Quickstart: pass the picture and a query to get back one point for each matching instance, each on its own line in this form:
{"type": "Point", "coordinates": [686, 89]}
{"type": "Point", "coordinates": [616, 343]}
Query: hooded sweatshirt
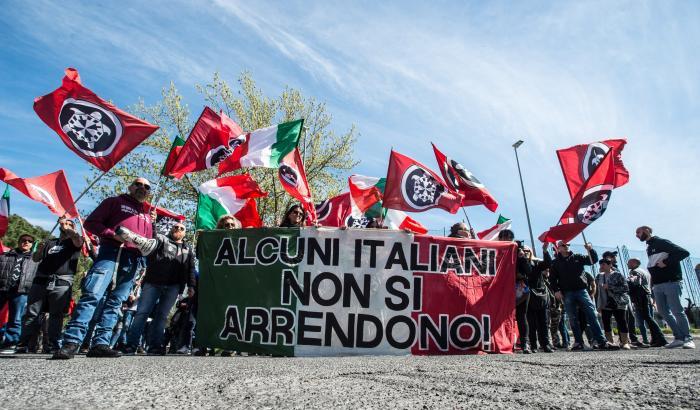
{"type": "Point", "coordinates": [122, 210]}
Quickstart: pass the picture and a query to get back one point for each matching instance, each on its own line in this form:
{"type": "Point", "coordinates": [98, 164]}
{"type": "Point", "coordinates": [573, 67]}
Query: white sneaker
{"type": "Point", "coordinates": [674, 344]}
{"type": "Point", "coordinates": [689, 345]}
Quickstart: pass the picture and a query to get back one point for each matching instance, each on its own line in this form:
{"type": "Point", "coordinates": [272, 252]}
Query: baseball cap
{"type": "Point", "coordinates": [608, 254]}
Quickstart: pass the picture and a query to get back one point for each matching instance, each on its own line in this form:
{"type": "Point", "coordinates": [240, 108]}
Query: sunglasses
{"type": "Point", "coordinates": [178, 228]}
{"type": "Point", "coordinates": [142, 185]}
{"type": "Point", "coordinates": [229, 225]}
{"type": "Point", "coordinates": [23, 240]}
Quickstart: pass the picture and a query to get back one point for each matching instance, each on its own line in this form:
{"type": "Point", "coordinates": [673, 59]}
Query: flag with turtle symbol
{"type": "Point", "coordinates": [413, 187]}
{"type": "Point", "coordinates": [588, 205]}
{"type": "Point", "coordinates": [93, 128]}
{"type": "Point", "coordinates": [580, 161]}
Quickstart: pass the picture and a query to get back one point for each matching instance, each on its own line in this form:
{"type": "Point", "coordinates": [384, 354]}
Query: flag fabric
{"type": "Point", "coordinates": [335, 211]}
{"type": "Point", "coordinates": [588, 205]}
{"type": "Point", "coordinates": [213, 138]}
{"type": "Point", "coordinates": [266, 147]}
{"type": "Point", "coordinates": [4, 211]}
{"type": "Point", "coordinates": [459, 179]}
{"type": "Point", "coordinates": [395, 219]}
{"type": "Point", "coordinates": [580, 161]}
{"type": "Point", "coordinates": [413, 187]}
{"type": "Point", "coordinates": [174, 152]}
{"type": "Point", "coordinates": [165, 219]}
{"type": "Point", "coordinates": [51, 190]}
{"type": "Point", "coordinates": [227, 195]}
{"type": "Point", "coordinates": [292, 176]}
{"type": "Point", "coordinates": [93, 128]}
{"type": "Point", "coordinates": [365, 192]}
{"type": "Point", "coordinates": [491, 234]}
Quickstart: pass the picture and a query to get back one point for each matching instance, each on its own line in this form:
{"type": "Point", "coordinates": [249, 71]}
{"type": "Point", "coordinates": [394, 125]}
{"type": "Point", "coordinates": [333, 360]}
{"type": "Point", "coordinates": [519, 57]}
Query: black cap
{"type": "Point", "coordinates": [608, 254]}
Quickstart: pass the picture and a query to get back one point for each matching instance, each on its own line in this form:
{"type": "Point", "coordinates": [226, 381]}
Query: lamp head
{"type": "Point", "coordinates": [518, 143]}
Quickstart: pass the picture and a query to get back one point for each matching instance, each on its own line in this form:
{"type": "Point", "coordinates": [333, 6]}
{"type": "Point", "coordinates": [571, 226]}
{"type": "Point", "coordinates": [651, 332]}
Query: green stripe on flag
{"type": "Point", "coordinates": [177, 142]}
{"type": "Point", "coordinates": [287, 139]}
{"type": "Point", "coordinates": [208, 212]}
{"type": "Point", "coordinates": [501, 219]}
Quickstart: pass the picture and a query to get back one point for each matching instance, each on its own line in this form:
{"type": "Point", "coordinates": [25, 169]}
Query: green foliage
{"type": "Point", "coordinates": [327, 156]}
{"type": "Point", "coordinates": [18, 226]}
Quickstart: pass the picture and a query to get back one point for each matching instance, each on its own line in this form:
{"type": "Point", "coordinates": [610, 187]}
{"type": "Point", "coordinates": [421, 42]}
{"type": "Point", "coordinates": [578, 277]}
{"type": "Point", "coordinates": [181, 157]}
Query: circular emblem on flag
{"type": "Point", "coordinates": [352, 222]}
{"type": "Point", "coordinates": [235, 142]}
{"type": "Point", "coordinates": [46, 198]}
{"type": "Point", "coordinates": [459, 176]}
{"type": "Point", "coordinates": [288, 175]}
{"type": "Point", "coordinates": [594, 154]}
{"type": "Point", "coordinates": [323, 209]}
{"type": "Point", "coordinates": [419, 188]}
{"type": "Point", "coordinates": [216, 155]}
{"type": "Point", "coordinates": [593, 204]}
{"type": "Point", "coordinates": [165, 224]}
{"type": "Point", "coordinates": [93, 130]}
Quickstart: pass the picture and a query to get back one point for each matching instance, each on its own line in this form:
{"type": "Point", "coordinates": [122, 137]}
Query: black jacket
{"type": "Point", "coordinates": [171, 263]}
{"type": "Point", "coordinates": [672, 255]}
{"type": "Point", "coordinates": [7, 262]}
{"type": "Point", "coordinates": [567, 273]}
{"type": "Point", "coordinates": [539, 293]}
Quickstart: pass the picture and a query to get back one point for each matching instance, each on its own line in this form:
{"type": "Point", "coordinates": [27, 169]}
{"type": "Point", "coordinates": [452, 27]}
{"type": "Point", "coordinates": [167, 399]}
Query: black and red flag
{"type": "Point", "coordinates": [580, 161]}
{"type": "Point", "coordinates": [93, 128]}
{"type": "Point", "coordinates": [165, 219]}
{"type": "Point", "coordinates": [459, 179]}
{"type": "Point", "coordinates": [588, 204]}
{"type": "Point", "coordinates": [292, 176]}
{"type": "Point", "coordinates": [334, 211]}
{"type": "Point", "coordinates": [413, 187]}
{"type": "Point", "coordinates": [213, 138]}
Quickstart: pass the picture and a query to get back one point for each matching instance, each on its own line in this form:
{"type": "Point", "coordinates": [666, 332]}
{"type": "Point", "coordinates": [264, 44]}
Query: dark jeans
{"type": "Point", "coordinates": [16, 304]}
{"type": "Point", "coordinates": [631, 324]}
{"type": "Point", "coordinates": [644, 311]}
{"type": "Point", "coordinates": [57, 300]}
{"type": "Point", "coordinates": [539, 330]}
{"type": "Point", "coordinates": [187, 331]}
{"type": "Point", "coordinates": [620, 318]}
{"type": "Point", "coordinates": [521, 318]}
{"type": "Point", "coordinates": [580, 299]}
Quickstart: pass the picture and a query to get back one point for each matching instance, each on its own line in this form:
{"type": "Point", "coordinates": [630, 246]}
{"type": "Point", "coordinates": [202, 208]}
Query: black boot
{"type": "Point", "coordinates": [66, 352]}
{"type": "Point", "coordinates": [102, 351]}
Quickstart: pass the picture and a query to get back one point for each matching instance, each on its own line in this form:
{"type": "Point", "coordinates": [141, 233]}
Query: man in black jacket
{"type": "Point", "coordinates": [17, 271]}
{"type": "Point", "coordinates": [58, 262]}
{"type": "Point", "coordinates": [667, 280]}
{"type": "Point", "coordinates": [170, 267]}
{"type": "Point", "coordinates": [568, 281]}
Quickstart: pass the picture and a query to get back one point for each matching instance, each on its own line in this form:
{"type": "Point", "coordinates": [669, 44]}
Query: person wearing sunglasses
{"type": "Point", "coordinates": [570, 284]}
{"type": "Point", "coordinates": [51, 290]}
{"type": "Point", "coordinates": [17, 272]}
{"type": "Point", "coordinates": [115, 268]}
{"type": "Point", "coordinates": [170, 268]}
{"type": "Point", "coordinates": [295, 217]}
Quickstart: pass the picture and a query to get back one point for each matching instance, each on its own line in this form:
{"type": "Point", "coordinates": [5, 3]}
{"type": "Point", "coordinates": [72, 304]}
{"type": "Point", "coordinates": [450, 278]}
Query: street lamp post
{"type": "Point", "coordinates": [522, 186]}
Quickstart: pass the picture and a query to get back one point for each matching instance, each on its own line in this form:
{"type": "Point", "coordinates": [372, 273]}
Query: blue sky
{"type": "Point", "coordinates": [471, 76]}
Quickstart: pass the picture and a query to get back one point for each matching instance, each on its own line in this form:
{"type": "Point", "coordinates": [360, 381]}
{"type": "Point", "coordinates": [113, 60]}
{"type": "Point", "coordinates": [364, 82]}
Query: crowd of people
{"type": "Point", "coordinates": [126, 298]}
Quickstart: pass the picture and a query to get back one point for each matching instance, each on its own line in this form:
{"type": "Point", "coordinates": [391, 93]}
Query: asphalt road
{"type": "Point", "coordinates": [657, 378]}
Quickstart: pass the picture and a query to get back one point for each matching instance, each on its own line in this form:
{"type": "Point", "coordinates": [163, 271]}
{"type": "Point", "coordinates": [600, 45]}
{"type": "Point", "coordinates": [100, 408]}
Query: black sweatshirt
{"type": "Point", "coordinates": [664, 250]}
{"type": "Point", "coordinates": [567, 272]}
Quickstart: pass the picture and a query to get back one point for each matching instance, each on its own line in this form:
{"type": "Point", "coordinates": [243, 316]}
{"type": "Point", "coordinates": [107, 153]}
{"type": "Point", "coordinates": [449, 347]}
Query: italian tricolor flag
{"type": "Point", "coordinates": [265, 147]}
{"type": "Point", "coordinates": [228, 196]}
{"type": "Point", "coordinates": [395, 219]}
{"type": "Point", "coordinates": [365, 192]}
{"type": "Point", "coordinates": [491, 234]}
{"type": "Point", "coordinates": [4, 211]}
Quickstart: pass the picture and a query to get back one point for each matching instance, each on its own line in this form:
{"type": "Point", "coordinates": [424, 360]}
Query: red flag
{"type": "Point", "coordinates": [588, 205]}
{"type": "Point", "coordinates": [413, 187]}
{"type": "Point", "coordinates": [580, 161]}
{"type": "Point", "coordinates": [334, 211]}
{"type": "Point", "coordinates": [51, 190]}
{"type": "Point", "coordinates": [459, 179]}
{"type": "Point", "coordinates": [96, 130]}
{"type": "Point", "coordinates": [249, 216]}
{"type": "Point", "coordinates": [293, 178]}
{"type": "Point", "coordinates": [213, 138]}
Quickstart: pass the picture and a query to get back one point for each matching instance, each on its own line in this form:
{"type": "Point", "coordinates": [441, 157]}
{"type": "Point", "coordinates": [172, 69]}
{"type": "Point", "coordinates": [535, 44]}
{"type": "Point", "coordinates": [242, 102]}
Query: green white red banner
{"type": "Point", "coordinates": [331, 292]}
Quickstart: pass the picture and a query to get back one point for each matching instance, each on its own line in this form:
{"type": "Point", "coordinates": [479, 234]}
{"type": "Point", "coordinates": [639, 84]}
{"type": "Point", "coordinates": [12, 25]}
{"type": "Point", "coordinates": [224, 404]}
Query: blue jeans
{"type": "Point", "coordinates": [668, 301]}
{"type": "Point", "coordinates": [565, 340]}
{"type": "Point", "coordinates": [575, 299]}
{"type": "Point", "coordinates": [158, 299]}
{"type": "Point", "coordinates": [96, 283]}
{"type": "Point", "coordinates": [16, 303]}
{"type": "Point", "coordinates": [120, 336]}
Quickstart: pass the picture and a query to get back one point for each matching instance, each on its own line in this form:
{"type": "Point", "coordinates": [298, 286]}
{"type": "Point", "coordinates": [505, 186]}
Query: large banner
{"type": "Point", "coordinates": [330, 292]}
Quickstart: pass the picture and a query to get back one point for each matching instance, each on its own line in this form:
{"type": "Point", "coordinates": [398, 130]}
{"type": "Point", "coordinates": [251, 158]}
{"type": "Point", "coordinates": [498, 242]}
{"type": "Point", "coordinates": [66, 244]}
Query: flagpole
{"type": "Point", "coordinates": [590, 258]}
{"type": "Point", "coordinates": [75, 201]}
{"type": "Point", "coordinates": [471, 229]}
{"type": "Point", "coordinates": [522, 186]}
